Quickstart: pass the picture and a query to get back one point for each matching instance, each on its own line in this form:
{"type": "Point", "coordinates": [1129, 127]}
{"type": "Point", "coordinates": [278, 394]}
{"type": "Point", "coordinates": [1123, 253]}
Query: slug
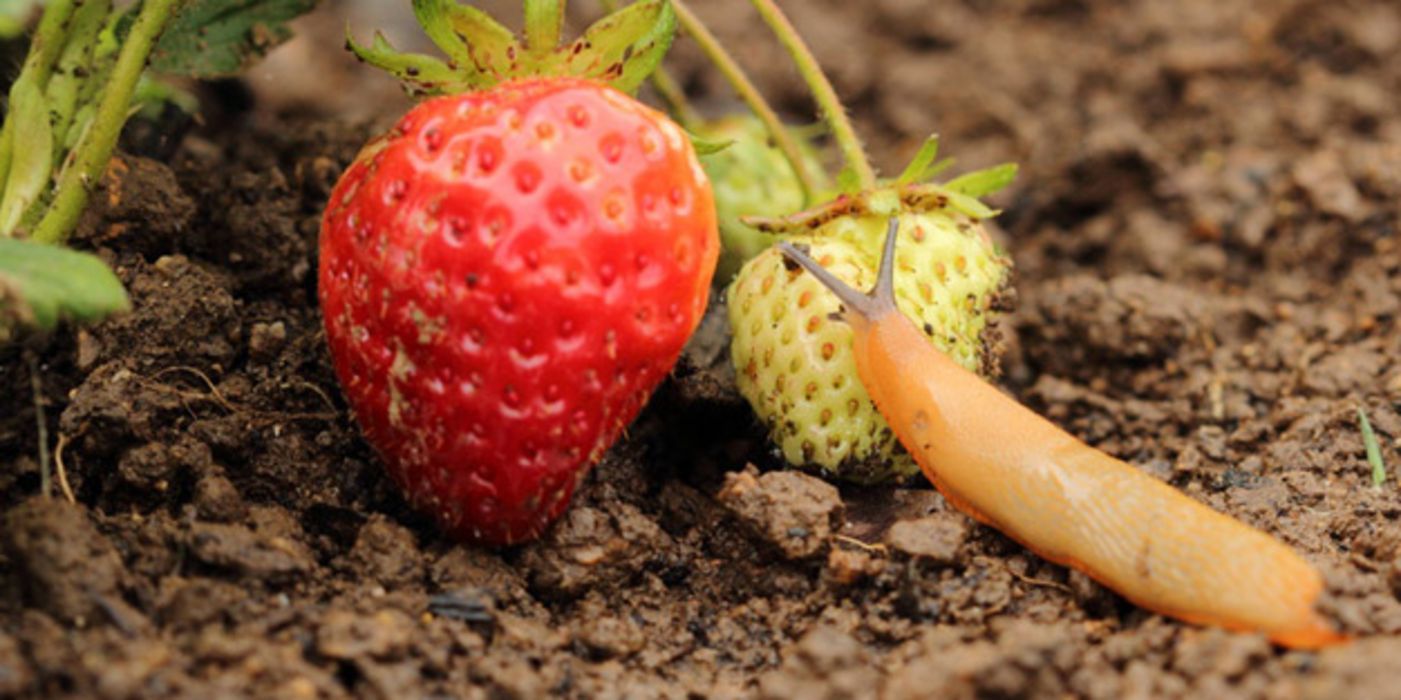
{"type": "Point", "coordinates": [1007, 467]}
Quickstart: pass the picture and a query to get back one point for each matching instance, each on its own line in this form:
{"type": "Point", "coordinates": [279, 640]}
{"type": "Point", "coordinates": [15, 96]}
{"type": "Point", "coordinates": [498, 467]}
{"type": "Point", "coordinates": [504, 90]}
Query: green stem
{"type": "Point", "coordinates": [38, 64]}
{"type": "Point", "coordinates": [94, 149]}
{"type": "Point", "coordinates": [73, 67]}
{"type": "Point", "coordinates": [544, 21]}
{"type": "Point", "coordinates": [738, 80]}
{"type": "Point", "coordinates": [41, 423]}
{"type": "Point", "coordinates": [822, 92]}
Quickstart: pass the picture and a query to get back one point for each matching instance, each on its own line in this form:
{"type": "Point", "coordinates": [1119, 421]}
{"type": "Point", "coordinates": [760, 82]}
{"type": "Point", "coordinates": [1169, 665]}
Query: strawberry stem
{"type": "Point", "coordinates": [94, 149]}
{"type": "Point", "coordinates": [744, 87]}
{"type": "Point", "coordinates": [544, 20]}
{"type": "Point", "coordinates": [822, 92]}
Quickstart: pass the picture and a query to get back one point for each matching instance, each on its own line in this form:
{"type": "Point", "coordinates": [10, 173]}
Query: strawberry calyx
{"type": "Point", "coordinates": [910, 192]}
{"type": "Point", "coordinates": [620, 50]}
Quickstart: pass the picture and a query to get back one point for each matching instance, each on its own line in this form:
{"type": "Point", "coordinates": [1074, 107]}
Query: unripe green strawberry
{"type": "Point", "coordinates": [794, 364]}
{"type": "Point", "coordinates": [750, 177]}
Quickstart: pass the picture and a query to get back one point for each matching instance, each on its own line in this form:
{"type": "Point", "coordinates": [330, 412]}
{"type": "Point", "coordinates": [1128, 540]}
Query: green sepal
{"type": "Point", "coordinates": [41, 285]}
{"type": "Point", "coordinates": [478, 47]}
{"type": "Point", "coordinates": [624, 48]}
{"type": "Point", "coordinates": [621, 49]}
{"type": "Point", "coordinates": [420, 74]}
{"type": "Point", "coordinates": [924, 157]}
{"type": "Point", "coordinates": [981, 183]}
{"type": "Point", "coordinates": [967, 204]}
{"type": "Point", "coordinates": [543, 21]}
{"type": "Point", "coordinates": [848, 180]}
{"type": "Point", "coordinates": [704, 146]}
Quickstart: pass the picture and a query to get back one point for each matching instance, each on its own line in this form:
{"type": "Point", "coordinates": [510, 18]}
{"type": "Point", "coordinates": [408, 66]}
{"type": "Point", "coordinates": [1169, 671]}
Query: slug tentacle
{"type": "Point", "coordinates": [879, 301]}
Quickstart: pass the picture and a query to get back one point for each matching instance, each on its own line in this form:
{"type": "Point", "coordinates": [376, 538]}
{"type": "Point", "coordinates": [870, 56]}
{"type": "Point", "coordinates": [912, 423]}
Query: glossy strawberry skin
{"type": "Point", "coordinates": [505, 278]}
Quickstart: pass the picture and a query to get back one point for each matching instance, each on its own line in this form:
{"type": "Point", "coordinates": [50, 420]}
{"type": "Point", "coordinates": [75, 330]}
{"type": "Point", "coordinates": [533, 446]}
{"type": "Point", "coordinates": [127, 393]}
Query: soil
{"type": "Point", "coordinates": [1209, 271]}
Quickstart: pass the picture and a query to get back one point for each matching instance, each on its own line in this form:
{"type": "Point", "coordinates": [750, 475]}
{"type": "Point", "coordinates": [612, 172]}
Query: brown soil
{"type": "Point", "coordinates": [1206, 236]}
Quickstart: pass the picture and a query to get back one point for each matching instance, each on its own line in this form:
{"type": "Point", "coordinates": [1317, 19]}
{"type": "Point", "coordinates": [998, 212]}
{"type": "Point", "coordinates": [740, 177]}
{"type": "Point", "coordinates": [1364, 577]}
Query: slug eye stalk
{"type": "Point", "coordinates": [869, 306]}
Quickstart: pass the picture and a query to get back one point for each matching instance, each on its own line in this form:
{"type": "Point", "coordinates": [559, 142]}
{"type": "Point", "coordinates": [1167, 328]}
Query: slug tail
{"type": "Point", "coordinates": [1317, 635]}
{"type": "Point", "coordinates": [870, 306]}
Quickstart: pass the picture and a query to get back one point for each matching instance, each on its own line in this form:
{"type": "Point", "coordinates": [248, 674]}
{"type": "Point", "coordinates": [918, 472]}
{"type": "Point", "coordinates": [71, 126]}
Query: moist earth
{"type": "Point", "coordinates": [1209, 272]}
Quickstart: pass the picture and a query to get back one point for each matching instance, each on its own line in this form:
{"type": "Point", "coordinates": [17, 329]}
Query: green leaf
{"type": "Point", "coordinates": [624, 47]}
{"type": "Point", "coordinates": [421, 74]}
{"type": "Point", "coordinates": [981, 183]}
{"type": "Point", "coordinates": [32, 159]}
{"type": "Point", "coordinates": [219, 38]}
{"type": "Point", "coordinates": [41, 285]}
{"type": "Point", "coordinates": [1374, 449]}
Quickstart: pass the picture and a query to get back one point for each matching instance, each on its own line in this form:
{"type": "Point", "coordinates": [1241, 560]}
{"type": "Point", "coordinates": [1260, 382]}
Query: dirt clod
{"type": "Point", "coordinates": [63, 564]}
{"type": "Point", "coordinates": [826, 663]}
{"type": "Point", "coordinates": [386, 552]}
{"type": "Point", "coordinates": [259, 553]}
{"type": "Point", "coordinates": [590, 548]}
{"type": "Point", "coordinates": [793, 512]}
{"type": "Point", "coordinates": [937, 538]}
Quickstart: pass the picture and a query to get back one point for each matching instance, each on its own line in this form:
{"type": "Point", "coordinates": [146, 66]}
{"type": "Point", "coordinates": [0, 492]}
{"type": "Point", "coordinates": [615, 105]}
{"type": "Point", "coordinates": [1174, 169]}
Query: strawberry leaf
{"type": "Point", "coordinates": [981, 183]}
{"type": "Point", "coordinates": [41, 285]}
{"type": "Point", "coordinates": [219, 38]}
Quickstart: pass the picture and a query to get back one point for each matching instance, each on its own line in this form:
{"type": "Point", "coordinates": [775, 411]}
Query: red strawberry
{"type": "Point", "coordinates": [506, 276]}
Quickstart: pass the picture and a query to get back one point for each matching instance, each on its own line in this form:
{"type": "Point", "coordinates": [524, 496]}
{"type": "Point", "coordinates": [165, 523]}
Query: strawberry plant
{"type": "Point", "coordinates": [793, 363]}
{"type": "Point", "coordinates": [65, 112]}
{"type": "Point", "coordinates": [509, 272]}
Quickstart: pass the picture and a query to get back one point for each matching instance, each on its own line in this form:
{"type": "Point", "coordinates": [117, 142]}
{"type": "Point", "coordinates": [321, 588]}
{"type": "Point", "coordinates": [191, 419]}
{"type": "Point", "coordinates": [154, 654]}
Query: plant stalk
{"type": "Point", "coordinates": [744, 87]}
{"type": "Point", "coordinates": [36, 386]}
{"type": "Point", "coordinates": [822, 92]}
{"type": "Point", "coordinates": [94, 149]}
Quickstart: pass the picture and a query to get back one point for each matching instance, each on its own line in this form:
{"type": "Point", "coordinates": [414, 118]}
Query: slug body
{"type": "Point", "coordinates": [1011, 469]}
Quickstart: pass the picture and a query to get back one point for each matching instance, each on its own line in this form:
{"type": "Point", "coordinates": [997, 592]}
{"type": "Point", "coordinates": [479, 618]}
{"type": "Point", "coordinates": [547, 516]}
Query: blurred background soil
{"type": "Point", "coordinates": [1209, 272]}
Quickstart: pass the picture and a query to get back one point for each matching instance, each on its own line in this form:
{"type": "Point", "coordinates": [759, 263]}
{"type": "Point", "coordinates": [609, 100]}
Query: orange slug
{"type": "Point", "coordinates": [1009, 468]}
